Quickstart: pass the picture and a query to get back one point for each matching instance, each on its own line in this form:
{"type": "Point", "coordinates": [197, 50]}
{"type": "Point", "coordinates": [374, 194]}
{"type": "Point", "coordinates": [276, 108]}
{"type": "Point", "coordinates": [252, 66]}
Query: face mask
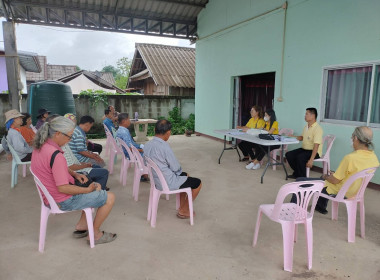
{"type": "Point", "coordinates": [266, 119]}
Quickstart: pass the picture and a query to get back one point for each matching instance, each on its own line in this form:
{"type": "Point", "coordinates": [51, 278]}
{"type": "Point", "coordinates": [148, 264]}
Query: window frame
{"type": "Point", "coordinates": [374, 64]}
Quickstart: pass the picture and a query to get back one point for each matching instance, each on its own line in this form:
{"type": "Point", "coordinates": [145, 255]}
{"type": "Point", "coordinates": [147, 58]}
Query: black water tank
{"type": "Point", "coordinates": [54, 96]}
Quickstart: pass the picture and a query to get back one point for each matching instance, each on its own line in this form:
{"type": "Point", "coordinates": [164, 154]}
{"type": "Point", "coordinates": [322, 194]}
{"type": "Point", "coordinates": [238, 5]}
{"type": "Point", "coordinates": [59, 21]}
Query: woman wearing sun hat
{"type": "Point", "coordinates": [13, 121]}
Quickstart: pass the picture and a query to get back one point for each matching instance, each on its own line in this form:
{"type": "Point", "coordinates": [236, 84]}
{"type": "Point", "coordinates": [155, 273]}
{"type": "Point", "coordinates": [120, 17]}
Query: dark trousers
{"type": "Point", "coordinates": [297, 160]}
{"type": "Point", "coordinates": [28, 157]}
{"type": "Point", "coordinates": [99, 175]}
{"type": "Point", "coordinates": [322, 202]}
{"type": "Point", "coordinates": [246, 148]}
{"type": "Point", "coordinates": [94, 147]}
{"type": "Point", "coordinates": [261, 150]}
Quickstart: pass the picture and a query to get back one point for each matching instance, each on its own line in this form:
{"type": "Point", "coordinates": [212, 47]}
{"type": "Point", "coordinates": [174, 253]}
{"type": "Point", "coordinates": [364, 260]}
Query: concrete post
{"type": "Point", "coordinates": [12, 63]}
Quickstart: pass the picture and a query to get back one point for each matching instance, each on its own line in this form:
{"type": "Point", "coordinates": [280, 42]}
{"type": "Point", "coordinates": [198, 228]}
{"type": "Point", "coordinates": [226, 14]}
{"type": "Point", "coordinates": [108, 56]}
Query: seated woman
{"type": "Point", "coordinates": [25, 129]}
{"type": "Point", "coordinates": [41, 117]}
{"type": "Point", "coordinates": [271, 125]}
{"type": "Point", "coordinates": [59, 181]}
{"type": "Point", "coordinates": [124, 134]}
{"type": "Point", "coordinates": [12, 124]}
{"type": "Point", "coordinates": [257, 122]}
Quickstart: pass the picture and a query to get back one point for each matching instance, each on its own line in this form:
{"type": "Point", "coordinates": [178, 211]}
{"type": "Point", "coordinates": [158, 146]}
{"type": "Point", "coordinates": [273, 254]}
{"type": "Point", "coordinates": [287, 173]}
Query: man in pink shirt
{"type": "Point", "coordinates": [50, 166]}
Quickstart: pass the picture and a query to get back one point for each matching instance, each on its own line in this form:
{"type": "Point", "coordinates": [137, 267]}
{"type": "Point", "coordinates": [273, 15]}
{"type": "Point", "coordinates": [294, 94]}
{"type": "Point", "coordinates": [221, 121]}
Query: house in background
{"type": "Point", "coordinates": [49, 71]}
{"type": "Point", "coordinates": [29, 63]}
{"type": "Point", "coordinates": [84, 80]}
{"type": "Point", "coordinates": [163, 70]}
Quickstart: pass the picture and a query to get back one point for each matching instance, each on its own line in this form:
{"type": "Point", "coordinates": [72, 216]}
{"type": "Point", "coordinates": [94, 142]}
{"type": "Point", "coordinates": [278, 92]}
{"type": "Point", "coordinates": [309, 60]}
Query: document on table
{"type": "Point", "coordinates": [236, 132]}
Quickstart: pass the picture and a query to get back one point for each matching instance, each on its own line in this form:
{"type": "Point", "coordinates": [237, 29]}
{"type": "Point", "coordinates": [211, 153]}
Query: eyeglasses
{"type": "Point", "coordinates": [68, 136]}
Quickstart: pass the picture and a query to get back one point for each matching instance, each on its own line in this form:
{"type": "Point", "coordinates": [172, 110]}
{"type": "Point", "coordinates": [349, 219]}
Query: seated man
{"type": "Point", "coordinates": [124, 134]}
{"type": "Point", "coordinates": [361, 158]}
{"type": "Point", "coordinates": [160, 152]}
{"type": "Point", "coordinates": [311, 149]}
{"type": "Point", "coordinates": [108, 121]}
{"type": "Point", "coordinates": [78, 143]}
{"type": "Point", "coordinates": [92, 147]}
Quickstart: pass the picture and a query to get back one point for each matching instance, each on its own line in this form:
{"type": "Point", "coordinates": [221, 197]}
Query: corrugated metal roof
{"type": "Point", "coordinates": [167, 65]}
{"type": "Point", "coordinates": [28, 60]}
{"type": "Point", "coordinates": [169, 18]}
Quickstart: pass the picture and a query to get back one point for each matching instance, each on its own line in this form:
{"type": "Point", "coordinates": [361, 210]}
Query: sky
{"type": "Point", "coordinates": [90, 50]}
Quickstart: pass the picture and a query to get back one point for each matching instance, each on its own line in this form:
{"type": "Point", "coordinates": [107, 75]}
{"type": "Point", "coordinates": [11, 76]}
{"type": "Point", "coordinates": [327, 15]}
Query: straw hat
{"type": "Point", "coordinates": [12, 114]}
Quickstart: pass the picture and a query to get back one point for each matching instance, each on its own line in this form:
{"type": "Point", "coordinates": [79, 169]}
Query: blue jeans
{"type": "Point", "coordinates": [93, 199]}
{"type": "Point", "coordinates": [99, 175]}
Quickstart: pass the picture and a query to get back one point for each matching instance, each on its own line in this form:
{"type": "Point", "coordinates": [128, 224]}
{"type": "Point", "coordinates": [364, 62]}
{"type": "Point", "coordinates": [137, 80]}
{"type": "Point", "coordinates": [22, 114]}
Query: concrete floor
{"type": "Point", "coordinates": [218, 246]}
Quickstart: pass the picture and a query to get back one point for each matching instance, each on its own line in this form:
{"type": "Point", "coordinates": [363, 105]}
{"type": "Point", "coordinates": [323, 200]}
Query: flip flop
{"type": "Point", "coordinates": [80, 233]}
{"type": "Point", "coordinates": [182, 216]}
{"type": "Point", "coordinates": [106, 238]}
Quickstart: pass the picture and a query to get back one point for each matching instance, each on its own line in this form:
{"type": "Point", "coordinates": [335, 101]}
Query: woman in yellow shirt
{"type": "Point", "coordinates": [271, 125]}
{"type": "Point", "coordinates": [256, 121]}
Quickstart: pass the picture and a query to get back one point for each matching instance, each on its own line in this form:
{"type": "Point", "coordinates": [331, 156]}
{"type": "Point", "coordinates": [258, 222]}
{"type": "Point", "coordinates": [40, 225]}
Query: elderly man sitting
{"type": "Point", "coordinates": [361, 158]}
{"type": "Point", "coordinates": [160, 152]}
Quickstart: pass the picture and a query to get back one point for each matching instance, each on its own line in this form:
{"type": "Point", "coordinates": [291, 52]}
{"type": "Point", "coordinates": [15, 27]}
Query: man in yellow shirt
{"type": "Point", "coordinates": [311, 138]}
{"type": "Point", "coordinates": [361, 158]}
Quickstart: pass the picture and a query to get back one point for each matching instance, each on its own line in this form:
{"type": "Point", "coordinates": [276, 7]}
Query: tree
{"type": "Point", "coordinates": [123, 66]}
{"type": "Point", "coordinates": [112, 69]}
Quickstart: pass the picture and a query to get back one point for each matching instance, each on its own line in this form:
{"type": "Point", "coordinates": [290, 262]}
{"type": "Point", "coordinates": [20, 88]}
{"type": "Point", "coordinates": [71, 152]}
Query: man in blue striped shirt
{"type": "Point", "coordinates": [78, 143]}
{"type": "Point", "coordinates": [124, 134]}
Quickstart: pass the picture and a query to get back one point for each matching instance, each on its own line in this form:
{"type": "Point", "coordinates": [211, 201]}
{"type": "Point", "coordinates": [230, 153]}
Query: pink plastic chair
{"type": "Point", "coordinates": [351, 203]}
{"type": "Point", "coordinates": [140, 169]}
{"type": "Point", "coordinates": [155, 194]}
{"type": "Point", "coordinates": [114, 150]}
{"type": "Point", "coordinates": [126, 163]}
{"type": "Point", "coordinates": [54, 209]}
{"type": "Point", "coordinates": [286, 132]}
{"type": "Point", "coordinates": [108, 144]}
{"type": "Point", "coordinates": [289, 215]}
{"type": "Point", "coordinates": [33, 128]}
{"type": "Point", "coordinates": [328, 140]}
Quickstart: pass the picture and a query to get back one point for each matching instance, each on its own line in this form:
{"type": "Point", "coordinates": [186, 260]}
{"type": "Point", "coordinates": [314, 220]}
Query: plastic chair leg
{"type": "Point", "coordinates": [257, 227]}
{"type": "Point", "coordinates": [307, 172]}
{"type": "Point", "coordinates": [288, 240]}
{"type": "Point", "coordinates": [24, 170]}
{"type": "Point", "coordinates": [190, 200]}
{"type": "Point", "coordinates": [177, 200]}
{"type": "Point", "coordinates": [156, 199]}
{"type": "Point", "coordinates": [351, 218]}
{"type": "Point", "coordinates": [295, 233]}
{"type": "Point", "coordinates": [136, 184]}
{"type": "Point", "coordinates": [149, 216]}
{"type": "Point", "coordinates": [362, 218]}
{"type": "Point", "coordinates": [334, 210]}
{"type": "Point", "coordinates": [90, 226]}
{"type": "Point", "coordinates": [14, 174]}
{"type": "Point", "coordinates": [45, 212]}
{"type": "Point", "coordinates": [309, 242]}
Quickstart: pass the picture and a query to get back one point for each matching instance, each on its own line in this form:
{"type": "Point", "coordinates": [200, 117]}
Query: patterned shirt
{"type": "Point", "coordinates": [78, 144]}
{"type": "Point", "coordinates": [160, 152]}
{"type": "Point", "coordinates": [123, 134]}
{"type": "Point", "coordinates": [71, 159]}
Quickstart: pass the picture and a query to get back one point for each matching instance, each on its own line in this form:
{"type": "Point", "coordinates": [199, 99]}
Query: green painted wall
{"type": "Point", "coordinates": [319, 33]}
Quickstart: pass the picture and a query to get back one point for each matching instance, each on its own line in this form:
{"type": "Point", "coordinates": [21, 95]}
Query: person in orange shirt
{"type": "Point", "coordinates": [25, 129]}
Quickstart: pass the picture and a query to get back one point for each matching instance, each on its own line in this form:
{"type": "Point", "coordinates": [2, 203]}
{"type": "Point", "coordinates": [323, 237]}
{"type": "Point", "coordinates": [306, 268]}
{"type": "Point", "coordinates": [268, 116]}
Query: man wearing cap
{"type": "Point", "coordinates": [13, 121]}
{"type": "Point", "coordinates": [42, 115]}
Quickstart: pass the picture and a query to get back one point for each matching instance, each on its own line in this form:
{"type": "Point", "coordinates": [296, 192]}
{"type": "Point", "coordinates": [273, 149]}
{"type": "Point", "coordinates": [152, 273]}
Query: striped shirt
{"type": "Point", "coordinates": [78, 144]}
{"type": "Point", "coordinates": [124, 134]}
{"type": "Point", "coordinates": [71, 159]}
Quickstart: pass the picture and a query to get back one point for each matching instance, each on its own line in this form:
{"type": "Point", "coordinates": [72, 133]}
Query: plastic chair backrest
{"type": "Point", "coordinates": [153, 167]}
{"type": "Point", "coordinates": [328, 140]}
{"type": "Point", "coordinates": [303, 194]}
{"type": "Point", "coordinates": [286, 131]}
{"type": "Point", "coordinates": [33, 128]}
{"type": "Point", "coordinates": [41, 188]}
{"type": "Point", "coordinates": [108, 132]}
{"type": "Point", "coordinates": [138, 157]}
{"type": "Point", "coordinates": [14, 154]}
{"type": "Point", "coordinates": [366, 176]}
{"type": "Point", "coordinates": [129, 152]}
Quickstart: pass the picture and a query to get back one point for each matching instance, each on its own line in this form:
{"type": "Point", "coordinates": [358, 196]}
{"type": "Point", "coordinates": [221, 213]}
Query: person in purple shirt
{"type": "Point", "coordinates": [41, 117]}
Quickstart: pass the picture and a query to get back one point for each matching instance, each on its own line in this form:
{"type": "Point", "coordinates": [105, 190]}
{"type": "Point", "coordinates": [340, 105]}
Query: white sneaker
{"type": "Point", "coordinates": [249, 166]}
{"type": "Point", "coordinates": [256, 166]}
